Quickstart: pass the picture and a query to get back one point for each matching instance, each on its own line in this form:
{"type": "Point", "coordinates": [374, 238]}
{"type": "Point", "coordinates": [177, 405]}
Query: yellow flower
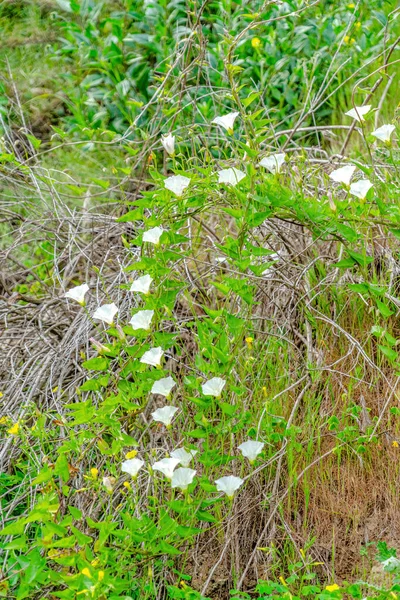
{"type": "Point", "coordinates": [14, 429]}
{"type": "Point", "coordinates": [249, 341]}
{"type": "Point", "coordinates": [332, 588]}
{"type": "Point", "coordinates": [395, 444]}
{"type": "Point", "coordinates": [256, 42]}
{"type": "Point", "coordinates": [357, 25]}
{"type": "Point", "coordinates": [264, 391]}
{"type": "Point", "coordinates": [348, 40]}
{"type": "Point", "coordinates": [94, 472]}
{"type": "Point", "coordinates": [101, 575]}
{"type": "Point", "coordinates": [3, 420]}
{"type": "Point", "coordinates": [351, 6]}
{"type": "Point", "coordinates": [283, 582]}
{"type": "Point", "coordinates": [131, 454]}
{"type": "Point", "coordinates": [86, 572]}
{"type": "Point", "coordinates": [127, 485]}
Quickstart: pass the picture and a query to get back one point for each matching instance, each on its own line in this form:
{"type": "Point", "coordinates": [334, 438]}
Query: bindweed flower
{"type": "Point", "coordinates": [165, 414]}
{"type": "Point", "coordinates": [343, 175]}
{"type": "Point", "coordinates": [142, 319]}
{"type": "Point", "coordinates": [273, 162]}
{"type": "Point", "coordinates": [384, 133]}
{"type": "Point", "coordinates": [358, 112]}
{"type": "Point", "coordinates": [229, 485]}
{"type": "Point", "coordinates": [361, 188]}
{"type": "Point", "coordinates": [108, 483]}
{"type": "Point", "coordinates": [251, 449]}
{"type": "Point", "coordinates": [230, 176]}
{"type": "Point", "coordinates": [184, 456]}
{"type": "Point", "coordinates": [142, 284]}
{"type": "Point", "coordinates": [168, 142]}
{"type": "Point", "coordinates": [166, 466]}
{"type": "Point", "coordinates": [153, 235]}
{"type": "Point", "coordinates": [182, 478]}
{"type": "Point", "coordinates": [132, 466]}
{"type": "Point", "coordinates": [153, 357]}
{"type": "Point", "coordinates": [163, 386]}
{"type": "Point", "coordinates": [213, 387]}
{"type": "Point", "coordinates": [78, 293]}
{"type": "Point", "coordinates": [226, 121]}
{"type": "Point", "coordinates": [177, 184]}
{"type": "Point", "coordinates": [106, 313]}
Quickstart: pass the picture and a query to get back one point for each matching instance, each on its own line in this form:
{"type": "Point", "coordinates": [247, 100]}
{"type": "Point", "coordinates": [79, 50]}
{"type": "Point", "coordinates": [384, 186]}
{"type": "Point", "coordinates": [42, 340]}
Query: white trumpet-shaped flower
{"type": "Point", "coordinates": [343, 175]}
{"type": "Point", "coordinates": [108, 483]}
{"type": "Point", "coordinates": [182, 478]}
{"type": "Point", "coordinates": [78, 293]}
{"type": "Point", "coordinates": [184, 456]}
{"type": "Point", "coordinates": [251, 449]}
{"type": "Point", "coordinates": [142, 319]}
{"type": "Point", "coordinates": [358, 112]}
{"type": "Point", "coordinates": [166, 466]}
{"type": "Point", "coordinates": [230, 176]}
{"type": "Point", "coordinates": [384, 133]}
{"type": "Point", "coordinates": [106, 313]}
{"type": "Point", "coordinates": [168, 142]}
{"type": "Point", "coordinates": [177, 184]}
{"type": "Point", "coordinates": [226, 121]}
{"type": "Point", "coordinates": [360, 188]}
{"type": "Point", "coordinates": [142, 284]}
{"type": "Point", "coordinates": [153, 235]}
{"type": "Point", "coordinates": [229, 485]}
{"type": "Point", "coordinates": [213, 387]}
{"type": "Point", "coordinates": [163, 386]}
{"type": "Point", "coordinates": [153, 357]}
{"type": "Point", "coordinates": [165, 414]}
{"type": "Point", "coordinates": [273, 162]}
{"type": "Point", "coordinates": [132, 466]}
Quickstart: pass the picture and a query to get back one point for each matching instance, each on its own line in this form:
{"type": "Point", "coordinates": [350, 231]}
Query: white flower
{"type": "Point", "coordinates": [230, 176]}
{"type": "Point", "coordinates": [182, 478]}
{"type": "Point", "coordinates": [108, 483]}
{"type": "Point", "coordinates": [358, 112]}
{"type": "Point", "coordinates": [106, 313]}
{"type": "Point", "coordinates": [153, 235]}
{"type": "Point", "coordinates": [184, 456]}
{"type": "Point", "coordinates": [361, 188]}
{"type": "Point", "coordinates": [251, 449]}
{"type": "Point", "coordinates": [213, 387]}
{"type": "Point", "coordinates": [78, 293]}
{"type": "Point", "coordinates": [166, 466]}
{"type": "Point", "coordinates": [153, 357]}
{"type": "Point", "coordinates": [226, 121]}
{"type": "Point", "coordinates": [273, 162]}
{"type": "Point", "coordinates": [384, 133]}
{"type": "Point", "coordinates": [229, 485]}
{"type": "Point", "coordinates": [142, 284]}
{"type": "Point", "coordinates": [132, 466]}
{"type": "Point", "coordinates": [142, 319]}
{"type": "Point", "coordinates": [168, 142]}
{"type": "Point", "coordinates": [165, 415]}
{"type": "Point", "coordinates": [163, 386]}
{"type": "Point", "coordinates": [343, 175]}
{"type": "Point", "coordinates": [177, 184]}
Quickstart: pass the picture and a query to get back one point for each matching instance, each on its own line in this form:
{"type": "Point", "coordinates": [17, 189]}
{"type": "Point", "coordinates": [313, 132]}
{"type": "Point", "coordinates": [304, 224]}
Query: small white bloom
{"type": "Point", "coordinates": [168, 142]}
{"type": "Point", "coordinates": [132, 466]}
{"type": "Point", "coordinates": [358, 113]}
{"type": "Point", "coordinates": [108, 483]}
{"type": "Point", "coordinates": [165, 415]}
{"type": "Point", "coordinates": [106, 313]}
{"type": "Point", "coordinates": [142, 319]}
{"type": "Point", "coordinates": [177, 184]}
{"type": "Point", "coordinates": [229, 485]}
{"type": "Point", "coordinates": [273, 162]}
{"type": "Point", "coordinates": [251, 449]}
{"type": "Point", "coordinates": [182, 478]}
{"type": "Point", "coordinates": [153, 235]}
{"type": "Point", "coordinates": [384, 133]}
{"type": "Point", "coordinates": [361, 188]}
{"type": "Point", "coordinates": [142, 284]}
{"type": "Point", "coordinates": [343, 175]}
{"type": "Point", "coordinates": [230, 176]}
{"type": "Point", "coordinates": [78, 293]}
{"type": "Point", "coordinates": [213, 387]}
{"type": "Point", "coordinates": [163, 386]}
{"type": "Point", "coordinates": [166, 466]}
{"type": "Point", "coordinates": [226, 121]}
{"type": "Point", "coordinates": [153, 357]}
{"type": "Point", "coordinates": [184, 456]}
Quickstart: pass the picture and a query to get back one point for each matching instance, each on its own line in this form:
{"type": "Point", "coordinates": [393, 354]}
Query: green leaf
{"type": "Point", "coordinates": [384, 309]}
{"type": "Point", "coordinates": [82, 538]}
{"type": "Point", "coordinates": [98, 363]}
{"type": "Point", "coordinates": [61, 468]}
{"type": "Point", "coordinates": [75, 512]}
{"type": "Point", "coordinates": [15, 528]}
{"type": "Point", "coordinates": [388, 352]}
